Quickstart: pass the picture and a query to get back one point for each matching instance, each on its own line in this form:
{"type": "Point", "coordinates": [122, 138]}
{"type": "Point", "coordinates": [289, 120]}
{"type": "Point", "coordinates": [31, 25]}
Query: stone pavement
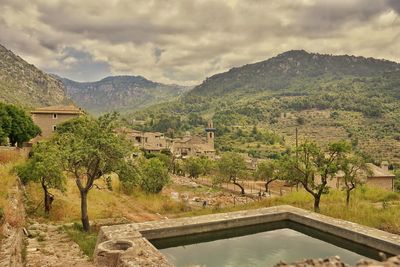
{"type": "Point", "coordinates": [49, 246]}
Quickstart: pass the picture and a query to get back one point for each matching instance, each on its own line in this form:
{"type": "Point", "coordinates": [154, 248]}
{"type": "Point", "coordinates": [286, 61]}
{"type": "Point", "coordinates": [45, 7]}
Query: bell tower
{"type": "Point", "coordinates": [210, 130]}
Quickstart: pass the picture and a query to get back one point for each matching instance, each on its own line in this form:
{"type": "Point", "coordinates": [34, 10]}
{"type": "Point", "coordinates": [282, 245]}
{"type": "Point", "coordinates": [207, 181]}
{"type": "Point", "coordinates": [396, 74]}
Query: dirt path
{"type": "Point", "coordinates": [50, 246]}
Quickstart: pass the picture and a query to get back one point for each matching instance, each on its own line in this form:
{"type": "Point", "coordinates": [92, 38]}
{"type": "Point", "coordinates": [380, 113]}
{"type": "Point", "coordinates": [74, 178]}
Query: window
{"type": "Point", "coordinates": [54, 116]}
{"type": "Point", "coordinates": [54, 128]}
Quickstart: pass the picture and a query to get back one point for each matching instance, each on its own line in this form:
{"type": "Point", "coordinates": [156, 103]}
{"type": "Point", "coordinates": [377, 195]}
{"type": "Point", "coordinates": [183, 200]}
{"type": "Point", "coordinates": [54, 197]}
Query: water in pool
{"type": "Point", "coordinates": [224, 248]}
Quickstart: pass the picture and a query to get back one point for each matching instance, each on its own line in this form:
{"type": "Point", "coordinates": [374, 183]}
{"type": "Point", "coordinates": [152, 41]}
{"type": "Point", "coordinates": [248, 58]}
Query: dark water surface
{"type": "Point", "coordinates": [261, 245]}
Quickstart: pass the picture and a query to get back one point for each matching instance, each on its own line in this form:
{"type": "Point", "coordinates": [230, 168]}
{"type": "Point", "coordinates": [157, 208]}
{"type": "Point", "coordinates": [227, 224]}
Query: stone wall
{"type": "Point", "coordinates": [381, 182]}
{"type": "Point", "coordinates": [12, 244]}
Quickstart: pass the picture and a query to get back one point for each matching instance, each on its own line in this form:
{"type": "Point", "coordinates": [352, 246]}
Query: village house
{"type": "Point", "coordinates": [180, 147]}
{"type": "Point", "coordinates": [148, 141]}
{"type": "Point", "coordinates": [379, 177]}
{"type": "Point", "coordinates": [47, 118]}
{"type": "Point", "coordinates": [189, 146]}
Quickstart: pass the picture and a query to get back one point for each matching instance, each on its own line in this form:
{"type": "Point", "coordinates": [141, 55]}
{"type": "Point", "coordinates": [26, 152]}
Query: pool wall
{"type": "Point", "coordinates": [138, 251]}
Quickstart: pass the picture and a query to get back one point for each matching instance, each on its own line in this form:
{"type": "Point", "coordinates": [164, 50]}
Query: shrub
{"type": "Point", "coordinates": [155, 176]}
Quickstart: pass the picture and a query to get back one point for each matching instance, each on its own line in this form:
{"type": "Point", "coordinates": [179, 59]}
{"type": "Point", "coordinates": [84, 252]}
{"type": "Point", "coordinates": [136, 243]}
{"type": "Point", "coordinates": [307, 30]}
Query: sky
{"type": "Point", "coordinates": [186, 41]}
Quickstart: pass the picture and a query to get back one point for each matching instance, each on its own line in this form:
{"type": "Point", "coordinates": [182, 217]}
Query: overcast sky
{"type": "Point", "coordinates": [185, 41]}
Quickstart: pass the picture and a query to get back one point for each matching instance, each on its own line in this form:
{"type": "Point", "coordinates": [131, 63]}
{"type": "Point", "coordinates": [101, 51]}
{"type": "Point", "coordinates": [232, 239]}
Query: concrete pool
{"type": "Point", "coordinates": [259, 245]}
{"type": "Point", "coordinates": [135, 244]}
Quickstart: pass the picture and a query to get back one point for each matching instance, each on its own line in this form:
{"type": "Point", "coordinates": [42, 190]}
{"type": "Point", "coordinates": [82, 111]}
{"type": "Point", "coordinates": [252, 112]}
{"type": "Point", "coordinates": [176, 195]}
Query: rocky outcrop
{"type": "Point", "coordinates": [23, 84]}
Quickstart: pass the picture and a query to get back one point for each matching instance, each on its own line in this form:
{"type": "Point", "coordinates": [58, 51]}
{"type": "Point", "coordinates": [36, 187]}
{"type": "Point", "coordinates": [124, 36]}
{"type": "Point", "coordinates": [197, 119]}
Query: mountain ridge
{"type": "Point", "coordinates": [290, 66]}
{"type": "Point", "coordinates": [326, 97]}
{"type": "Point", "coordinates": [25, 85]}
{"type": "Point", "coordinates": [120, 93]}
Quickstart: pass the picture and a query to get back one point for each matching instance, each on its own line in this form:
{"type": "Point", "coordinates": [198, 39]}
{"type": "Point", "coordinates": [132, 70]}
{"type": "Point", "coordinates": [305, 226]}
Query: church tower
{"type": "Point", "coordinates": [210, 130]}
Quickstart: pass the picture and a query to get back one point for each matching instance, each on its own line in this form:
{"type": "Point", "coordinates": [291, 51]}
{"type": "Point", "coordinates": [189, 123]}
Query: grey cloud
{"type": "Point", "coordinates": [185, 41]}
{"type": "Point", "coordinates": [395, 5]}
{"type": "Point", "coordinates": [82, 68]}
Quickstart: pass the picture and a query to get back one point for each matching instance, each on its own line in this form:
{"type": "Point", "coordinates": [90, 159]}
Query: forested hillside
{"type": "Point", "coordinates": [326, 97]}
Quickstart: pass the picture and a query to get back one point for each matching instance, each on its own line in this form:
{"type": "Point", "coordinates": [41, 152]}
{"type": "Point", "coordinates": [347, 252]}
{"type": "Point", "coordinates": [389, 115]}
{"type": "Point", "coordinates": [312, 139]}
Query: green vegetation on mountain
{"type": "Point", "coordinates": [24, 85]}
{"type": "Point", "coordinates": [326, 97]}
{"type": "Point", "coordinates": [120, 93]}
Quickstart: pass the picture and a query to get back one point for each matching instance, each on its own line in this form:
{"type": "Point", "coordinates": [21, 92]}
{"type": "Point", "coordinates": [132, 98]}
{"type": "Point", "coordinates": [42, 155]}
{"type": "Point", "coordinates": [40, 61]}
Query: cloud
{"type": "Point", "coordinates": [186, 41]}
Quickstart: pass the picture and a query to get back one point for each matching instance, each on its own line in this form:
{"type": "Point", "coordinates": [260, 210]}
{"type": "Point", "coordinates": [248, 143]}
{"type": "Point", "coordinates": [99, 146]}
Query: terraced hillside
{"type": "Point", "coordinates": [327, 97]}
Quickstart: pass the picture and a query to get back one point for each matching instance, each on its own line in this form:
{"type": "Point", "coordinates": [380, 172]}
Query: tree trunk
{"type": "Point", "coordinates": [347, 197]}
{"type": "Point", "coordinates": [241, 187]}
{"type": "Point", "coordinates": [266, 187]}
{"type": "Point", "coordinates": [317, 199]}
{"type": "Point", "coordinates": [47, 204]}
{"type": "Point", "coordinates": [84, 213]}
{"type": "Point", "coordinates": [48, 199]}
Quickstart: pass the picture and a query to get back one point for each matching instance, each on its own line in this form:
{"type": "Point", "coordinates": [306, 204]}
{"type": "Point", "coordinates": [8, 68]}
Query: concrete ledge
{"type": "Point", "coordinates": [140, 233]}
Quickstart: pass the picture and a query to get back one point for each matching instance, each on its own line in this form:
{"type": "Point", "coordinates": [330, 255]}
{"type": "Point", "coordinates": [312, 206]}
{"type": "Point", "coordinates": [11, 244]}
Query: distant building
{"type": "Point", "coordinates": [48, 118]}
{"type": "Point", "coordinates": [195, 145]}
{"type": "Point", "coordinates": [380, 177]}
{"type": "Point", "coordinates": [180, 147]}
{"type": "Point", "coordinates": [148, 141]}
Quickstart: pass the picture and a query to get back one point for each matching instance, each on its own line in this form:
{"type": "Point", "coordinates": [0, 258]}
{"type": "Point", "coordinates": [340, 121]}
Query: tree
{"type": "Point", "coordinates": [231, 168]}
{"type": "Point", "coordinates": [129, 175]}
{"type": "Point", "coordinates": [267, 172]}
{"type": "Point", "coordinates": [155, 176]}
{"type": "Point", "coordinates": [194, 167]}
{"type": "Point", "coordinates": [16, 125]}
{"type": "Point", "coordinates": [353, 168]}
{"type": "Point", "coordinates": [90, 149]}
{"type": "Point", "coordinates": [45, 167]}
{"type": "Point", "coordinates": [313, 167]}
{"type": "Point", "coordinates": [207, 165]}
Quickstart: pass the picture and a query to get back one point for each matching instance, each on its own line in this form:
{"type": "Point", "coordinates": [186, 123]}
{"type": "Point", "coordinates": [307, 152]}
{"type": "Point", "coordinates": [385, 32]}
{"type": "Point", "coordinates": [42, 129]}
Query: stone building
{"type": "Point", "coordinates": [189, 146]}
{"type": "Point", "coordinates": [47, 118]}
{"type": "Point", "coordinates": [379, 176]}
{"type": "Point", "coordinates": [148, 141]}
{"type": "Point", "coordinates": [181, 147]}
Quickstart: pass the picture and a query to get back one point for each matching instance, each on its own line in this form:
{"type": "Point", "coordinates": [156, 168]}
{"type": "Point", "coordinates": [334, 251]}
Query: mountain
{"type": "Point", "coordinates": [120, 93]}
{"type": "Point", "coordinates": [326, 97]}
{"type": "Point", "coordinates": [25, 85]}
{"type": "Point", "coordinates": [285, 70]}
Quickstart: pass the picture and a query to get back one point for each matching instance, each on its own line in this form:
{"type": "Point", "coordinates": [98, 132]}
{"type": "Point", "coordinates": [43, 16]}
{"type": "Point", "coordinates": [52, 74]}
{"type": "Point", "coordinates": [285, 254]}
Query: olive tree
{"type": "Point", "coordinates": [90, 148]}
{"type": "Point", "coordinates": [231, 168]}
{"type": "Point", "coordinates": [312, 167]}
{"type": "Point", "coordinates": [354, 171]}
{"type": "Point", "coordinates": [194, 167]}
{"type": "Point", "coordinates": [268, 172]}
{"type": "Point", "coordinates": [45, 167]}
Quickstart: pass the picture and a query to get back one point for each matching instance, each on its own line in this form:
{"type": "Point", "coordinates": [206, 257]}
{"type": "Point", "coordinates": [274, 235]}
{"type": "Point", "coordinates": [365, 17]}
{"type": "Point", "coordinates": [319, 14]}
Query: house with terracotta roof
{"type": "Point", "coordinates": [47, 118]}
